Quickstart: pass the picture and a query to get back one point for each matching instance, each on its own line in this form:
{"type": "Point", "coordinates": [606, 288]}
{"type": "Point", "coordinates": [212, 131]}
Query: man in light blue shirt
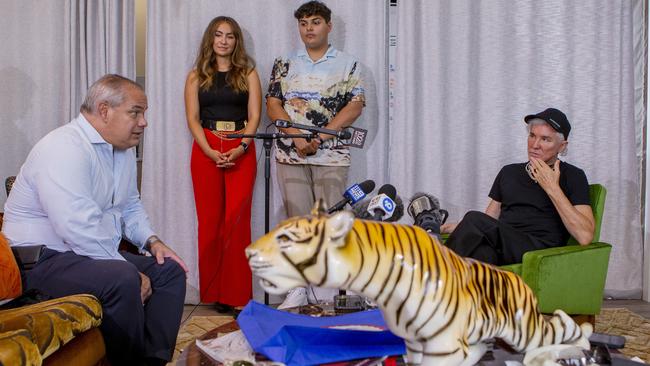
{"type": "Point", "coordinates": [77, 194]}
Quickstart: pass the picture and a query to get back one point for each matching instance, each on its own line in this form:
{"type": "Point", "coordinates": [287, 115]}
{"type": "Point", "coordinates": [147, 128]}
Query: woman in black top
{"type": "Point", "coordinates": [223, 96]}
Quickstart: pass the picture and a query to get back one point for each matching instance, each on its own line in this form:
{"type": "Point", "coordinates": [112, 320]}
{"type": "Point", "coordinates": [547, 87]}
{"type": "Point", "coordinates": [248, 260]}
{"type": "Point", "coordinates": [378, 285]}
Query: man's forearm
{"type": "Point", "coordinates": [578, 220]}
{"type": "Point", "coordinates": [493, 209]}
{"type": "Point", "coordinates": [275, 110]}
{"type": "Point", "coordinates": [137, 228]}
{"type": "Point", "coordinates": [346, 116]}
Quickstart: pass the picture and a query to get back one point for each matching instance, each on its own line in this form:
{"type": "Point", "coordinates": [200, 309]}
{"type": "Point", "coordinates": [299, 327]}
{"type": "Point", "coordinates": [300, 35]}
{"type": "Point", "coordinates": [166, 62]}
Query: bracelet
{"type": "Point", "coordinates": [244, 145]}
{"type": "Point", "coordinates": [147, 244]}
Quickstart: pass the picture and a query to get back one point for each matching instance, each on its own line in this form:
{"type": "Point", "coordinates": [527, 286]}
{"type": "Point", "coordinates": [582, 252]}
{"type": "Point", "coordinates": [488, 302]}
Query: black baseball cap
{"type": "Point", "coordinates": [555, 118]}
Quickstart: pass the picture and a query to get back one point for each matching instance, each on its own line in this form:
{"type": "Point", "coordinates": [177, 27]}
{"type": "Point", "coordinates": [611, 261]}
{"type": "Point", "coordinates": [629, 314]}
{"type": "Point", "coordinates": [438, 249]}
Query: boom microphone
{"type": "Point", "coordinates": [354, 194]}
{"type": "Point", "coordinates": [426, 212]}
{"type": "Point", "coordinates": [280, 123]}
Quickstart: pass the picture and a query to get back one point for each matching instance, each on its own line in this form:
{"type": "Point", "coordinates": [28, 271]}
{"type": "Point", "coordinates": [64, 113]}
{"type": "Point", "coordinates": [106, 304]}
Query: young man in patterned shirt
{"type": "Point", "coordinates": [320, 86]}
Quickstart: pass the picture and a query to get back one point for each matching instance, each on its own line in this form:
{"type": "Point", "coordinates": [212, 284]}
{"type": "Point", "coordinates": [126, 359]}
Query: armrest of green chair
{"type": "Point", "coordinates": [514, 268]}
{"type": "Point", "coordinates": [571, 278]}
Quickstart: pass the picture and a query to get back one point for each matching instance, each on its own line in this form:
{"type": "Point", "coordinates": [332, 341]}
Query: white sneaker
{"type": "Point", "coordinates": [295, 297]}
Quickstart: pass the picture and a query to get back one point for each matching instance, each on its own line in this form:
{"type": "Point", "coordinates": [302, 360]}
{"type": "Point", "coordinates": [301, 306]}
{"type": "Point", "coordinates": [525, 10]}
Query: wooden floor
{"type": "Point", "coordinates": [636, 306]}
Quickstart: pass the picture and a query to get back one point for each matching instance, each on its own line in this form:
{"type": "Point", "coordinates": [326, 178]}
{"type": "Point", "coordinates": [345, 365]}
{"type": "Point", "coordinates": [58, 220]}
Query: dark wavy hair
{"type": "Point", "coordinates": [206, 59]}
{"type": "Point", "coordinates": [312, 8]}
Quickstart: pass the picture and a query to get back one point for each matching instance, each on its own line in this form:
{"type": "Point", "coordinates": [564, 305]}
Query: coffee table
{"type": "Point", "coordinates": [498, 354]}
{"type": "Point", "coordinates": [194, 356]}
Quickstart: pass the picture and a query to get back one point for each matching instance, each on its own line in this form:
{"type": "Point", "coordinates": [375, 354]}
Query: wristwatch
{"type": "Point", "coordinates": [147, 244]}
{"type": "Point", "coordinates": [244, 145]}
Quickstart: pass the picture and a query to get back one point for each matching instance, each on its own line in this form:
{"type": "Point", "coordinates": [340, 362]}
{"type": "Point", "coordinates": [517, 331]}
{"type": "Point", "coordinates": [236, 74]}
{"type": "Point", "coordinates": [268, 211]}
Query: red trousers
{"type": "Point", "coordinates": [223, 198]}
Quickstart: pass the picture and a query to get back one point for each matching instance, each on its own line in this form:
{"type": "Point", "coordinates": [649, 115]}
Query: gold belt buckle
{"type": "Point", "coordinates": [227, 126]}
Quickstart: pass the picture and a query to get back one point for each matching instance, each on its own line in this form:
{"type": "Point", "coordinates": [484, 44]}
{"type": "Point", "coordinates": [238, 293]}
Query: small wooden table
{"type": "Point", "coordinates": [193, 356]}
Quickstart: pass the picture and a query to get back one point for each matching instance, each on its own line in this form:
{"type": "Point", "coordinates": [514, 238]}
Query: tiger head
{"type": "Point", "coordinates": [301, 250]}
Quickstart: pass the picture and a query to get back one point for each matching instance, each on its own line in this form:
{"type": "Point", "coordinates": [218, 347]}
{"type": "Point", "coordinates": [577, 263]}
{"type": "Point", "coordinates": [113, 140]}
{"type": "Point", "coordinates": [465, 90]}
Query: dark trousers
{"type": "Point", "coordinates": [133, 333]}
{"type": "Point", "coordinates": [482, 237]}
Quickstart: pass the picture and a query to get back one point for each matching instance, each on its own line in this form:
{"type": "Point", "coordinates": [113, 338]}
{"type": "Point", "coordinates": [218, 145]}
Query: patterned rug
{"type": "Point", "coordinates": [194, 328]}
{"type": "Point", "coordinates": [634, 327]}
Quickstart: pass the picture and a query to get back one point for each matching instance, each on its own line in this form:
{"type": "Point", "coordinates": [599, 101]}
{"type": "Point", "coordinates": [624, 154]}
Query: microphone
{"type": "Point", "coordinates": [280, 123]}
{"type": "Point", "coordinates": [358, 138]}
{"type": "Point", "coordinates": [354, 194]}
{"type": "Point", "coordinates": [382, 206]}
{"type": "Point", "coordinates": [426, 212]}
{"type": "Point", "coordinates": [361, 210]}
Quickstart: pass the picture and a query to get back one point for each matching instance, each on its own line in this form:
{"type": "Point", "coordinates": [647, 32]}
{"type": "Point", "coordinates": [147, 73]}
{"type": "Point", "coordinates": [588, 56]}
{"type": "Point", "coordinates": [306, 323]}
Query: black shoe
{"type": "Point", "coordinates": [222, 308]}
{"type": "Point", "coordinates": [228, 309]}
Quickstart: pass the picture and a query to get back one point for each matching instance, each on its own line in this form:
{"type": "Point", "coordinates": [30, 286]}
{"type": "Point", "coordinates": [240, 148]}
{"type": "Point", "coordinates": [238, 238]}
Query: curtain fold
{"type": "Point", "coordinates": [270, 30]}
{"type": "Point", "coordinates": [101, 38]}
{"type": "Point", "coordinates": [469, 71]}
{"type": "Point", "coordinates": [52, 51]}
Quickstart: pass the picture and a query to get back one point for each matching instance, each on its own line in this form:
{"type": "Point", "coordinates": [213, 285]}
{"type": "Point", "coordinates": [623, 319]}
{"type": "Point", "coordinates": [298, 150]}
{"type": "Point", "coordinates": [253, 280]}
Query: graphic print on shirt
{"type": "Point", "coordinates": [312, 94]}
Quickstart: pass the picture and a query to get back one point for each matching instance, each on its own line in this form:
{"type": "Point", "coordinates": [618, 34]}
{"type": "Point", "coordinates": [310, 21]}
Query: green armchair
{"type": "Point", "coordinates": [572, 277]}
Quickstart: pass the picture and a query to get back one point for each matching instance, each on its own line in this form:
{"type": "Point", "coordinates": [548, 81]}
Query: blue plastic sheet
{"type": "Point", "coordinates": [296, 339]}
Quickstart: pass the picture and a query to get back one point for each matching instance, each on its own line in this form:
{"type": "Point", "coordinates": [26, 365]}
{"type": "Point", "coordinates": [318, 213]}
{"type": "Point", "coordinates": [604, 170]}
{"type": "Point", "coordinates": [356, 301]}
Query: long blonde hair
{"type": "Point", "coordinates": [206, 60]}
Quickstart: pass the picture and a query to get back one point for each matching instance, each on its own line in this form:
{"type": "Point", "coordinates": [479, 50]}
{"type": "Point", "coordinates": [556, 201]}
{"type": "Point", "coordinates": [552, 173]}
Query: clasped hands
{"type": "Point", "coordinates": [226, 159]}
{"type": "Point", "coordinates": [304, 148]}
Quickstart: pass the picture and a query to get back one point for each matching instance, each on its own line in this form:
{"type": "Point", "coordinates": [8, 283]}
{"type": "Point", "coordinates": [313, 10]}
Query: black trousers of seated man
{"type": "Point", "coordinates": [485, 238]}
{"type": "Point", "coordinates": [134, 334]}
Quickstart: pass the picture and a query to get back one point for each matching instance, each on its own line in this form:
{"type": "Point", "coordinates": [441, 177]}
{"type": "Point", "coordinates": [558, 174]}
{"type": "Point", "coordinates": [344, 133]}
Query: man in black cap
{"type": "Point", "coordinates": [533, 205]}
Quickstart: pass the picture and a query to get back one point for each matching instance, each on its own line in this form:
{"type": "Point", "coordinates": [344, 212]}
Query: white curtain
{"type": "Point", "coordinates": [469, 71]}
{"type": "Point", "coordinates": [51, 52]}
{"type": "Point", "coordinates": [466, 72]}
{"type": "Point", "coordinates": [174, 30]}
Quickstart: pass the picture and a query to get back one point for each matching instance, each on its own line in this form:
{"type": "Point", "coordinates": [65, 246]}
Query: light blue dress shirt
{"type": "Point", "coordinates": [77, 193]}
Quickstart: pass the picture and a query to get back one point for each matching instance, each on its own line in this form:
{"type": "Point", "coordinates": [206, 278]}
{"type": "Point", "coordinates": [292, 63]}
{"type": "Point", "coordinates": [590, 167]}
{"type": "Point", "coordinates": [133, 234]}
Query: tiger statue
{"type": "Point", "coordinates": [444, 306]}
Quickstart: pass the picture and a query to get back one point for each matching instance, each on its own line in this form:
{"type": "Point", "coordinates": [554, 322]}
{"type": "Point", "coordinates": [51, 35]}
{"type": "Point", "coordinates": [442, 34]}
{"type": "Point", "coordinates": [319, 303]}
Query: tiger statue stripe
{"type": "Point", "coordinates": [444, 306]}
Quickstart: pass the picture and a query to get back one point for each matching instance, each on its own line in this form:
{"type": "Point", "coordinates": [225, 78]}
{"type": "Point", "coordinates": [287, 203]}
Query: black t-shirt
{"type": "Point", "coordinates": [222, 103]}
{"type": "Point", "coordinates": [526, 207]}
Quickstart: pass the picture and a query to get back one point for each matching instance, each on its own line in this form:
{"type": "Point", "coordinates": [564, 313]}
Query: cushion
{"type": "Point", "coordinates": [36, 331]}
{"type": "Point", "coordinates": [10, 284]}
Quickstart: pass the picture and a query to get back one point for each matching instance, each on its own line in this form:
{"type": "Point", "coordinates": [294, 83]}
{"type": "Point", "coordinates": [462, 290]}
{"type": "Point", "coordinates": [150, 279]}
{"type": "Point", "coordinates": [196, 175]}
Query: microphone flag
{"type": "Point", "coordinates": [353, 195]}
{"type": "Point", "coordinates": [358, 138]}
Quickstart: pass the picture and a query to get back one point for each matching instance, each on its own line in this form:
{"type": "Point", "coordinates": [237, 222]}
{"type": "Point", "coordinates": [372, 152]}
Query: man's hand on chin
{"type": "Point", "coordinates": [546, 176]}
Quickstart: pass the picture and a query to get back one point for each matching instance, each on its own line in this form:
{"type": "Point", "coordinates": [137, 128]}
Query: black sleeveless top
{"type": "Point", "coordinates": [222, 103]}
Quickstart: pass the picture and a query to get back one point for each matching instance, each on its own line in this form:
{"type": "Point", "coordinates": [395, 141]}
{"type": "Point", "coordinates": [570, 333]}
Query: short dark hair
{"type": "Point", "coordinates": [313, 8]}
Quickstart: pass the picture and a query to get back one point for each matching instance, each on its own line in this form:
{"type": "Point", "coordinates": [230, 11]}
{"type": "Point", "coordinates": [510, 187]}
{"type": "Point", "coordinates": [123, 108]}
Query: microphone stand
{"type": "Point", "coordinates": [268, 143]}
